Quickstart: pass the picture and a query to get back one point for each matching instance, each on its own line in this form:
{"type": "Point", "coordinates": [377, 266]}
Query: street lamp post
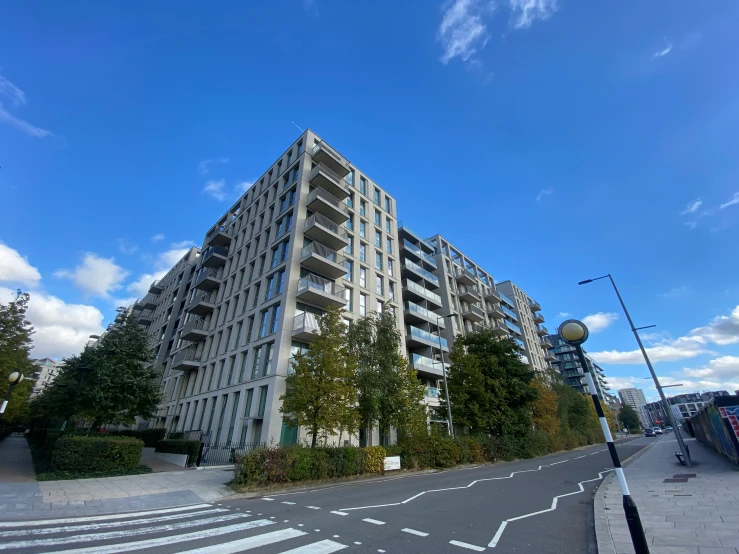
{"type": "Point", "coordinates": [83, 371]}
{"type": "Point", "coordinates": [446, 387]}
{"type": "Point", "coordinates": [14, 378]}
{"type": "Point", "coordinates": [635, 330]}
{"type": "Point", "coordinates": [575, 333]}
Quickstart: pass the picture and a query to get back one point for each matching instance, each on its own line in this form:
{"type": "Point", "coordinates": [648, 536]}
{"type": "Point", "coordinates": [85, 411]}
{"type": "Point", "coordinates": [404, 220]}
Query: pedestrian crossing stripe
{"type": "Point", "coordinates": [321, 547]}
{"type": "Point", "coordinates": [248, 543]}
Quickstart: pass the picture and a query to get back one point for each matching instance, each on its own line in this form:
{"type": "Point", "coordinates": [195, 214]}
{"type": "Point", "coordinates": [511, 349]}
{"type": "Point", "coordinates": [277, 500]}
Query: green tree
{"type": "Point", "coordinates": [119, 386]}
{"type": "Point", "coordinates": [15, 348]}
{"type": "Point", "coordinates": [544, 409]}
{"type": "Point", "coordinates": [629, 418]}
{"type": "Point", "coordinates": [489, 386]}
{"type": "Point", "coordinates": [321, 394]}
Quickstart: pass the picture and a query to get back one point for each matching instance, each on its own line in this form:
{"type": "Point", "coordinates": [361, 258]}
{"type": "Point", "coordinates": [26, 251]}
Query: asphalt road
{"type": "Point", "coordinates": [506, 508]}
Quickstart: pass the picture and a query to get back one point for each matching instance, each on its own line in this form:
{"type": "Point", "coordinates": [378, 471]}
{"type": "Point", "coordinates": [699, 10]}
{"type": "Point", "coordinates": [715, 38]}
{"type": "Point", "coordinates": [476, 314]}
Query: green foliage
{"type": "Point", "coordinates": [15, 346]}
{"type": "Point", "coordinates": [374, 459]}
{"type": "Point", "coordinates": [80, 454]}
{"type": "Point", "coordinates": [629, 418]}
{"type": "Point", "coordinates": [320, 395]}
{"type": "Point", "coordinates": [150, 436]}
{"type": "Point", "coordinates": [179, 446]}
{"type": "Point", "coordinates": [120, 386]}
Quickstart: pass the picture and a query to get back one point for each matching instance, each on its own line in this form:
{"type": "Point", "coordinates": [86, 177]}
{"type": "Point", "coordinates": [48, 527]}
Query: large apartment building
{"type": "Point", "coordinates": [570, 369]}
{"type": "Point", "coordinates": [313, 231]}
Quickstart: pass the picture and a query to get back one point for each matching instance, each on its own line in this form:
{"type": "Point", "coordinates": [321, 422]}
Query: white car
{"type": "Point", "coordinates": [658, 431]}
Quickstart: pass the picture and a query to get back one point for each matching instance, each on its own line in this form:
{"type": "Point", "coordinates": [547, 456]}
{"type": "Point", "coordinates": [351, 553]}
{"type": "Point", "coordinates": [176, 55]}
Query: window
{"type": "Point", "coordinates": [234, 408]}
{"type": "Point", "coordinates": [362, 277]}
{"type": "Point", "coordinates": [362, 252]}
{"type": "Point", "coordinates": [269, 349]}
{"type": "Point", "coordinates": [263, 323]}
{"type": "Point", "coordinates": [349, 246]}
{"type": "Point", "coordinates": [350, 201]}
{"type": "Point", "coordinates": [256, 362]}
{"type": "Point", "coordinates": [390, 267]}
{"type": "Point", "coordinates": [391, 290]}
{"type": "Point", "coordinates": [363, 185]}
{"type": "Point", "coordinates": [300, 151]}
{"type": "Point", "coordinates": [379, 289]}
{"type": "Point", "coordinates": [275, 283]}
{"type": "Point", "coordinates": [376, 196]}
{"type": "Point", "coordinates": [380, 306]}
{"type": "Point", "coordinates": [349, 270]}
{"type": "Point", "coordinates": [378, 239]}
{"type": "Point", "coordinates": [349, 223]}
{"type": "Point", "coordinates": [363, 229]}
{"type": "Point", "coordinates": [348, 297]}
{"type": "Point", "coordinates": [363, 208]}
{"type": "Point", "coordinates": [262, 401]}
{"type": "Point", "coordinates": [231, 365]}
{"type": "Point", "coordinates": [387, 204]}
{"type": "Point", "coordinates": [350, 178]}
{"type": "Point", "coordinates": [242, 371]}
{"type": "Point", "coordinates": [269, 321]}
{"type": "Point", "coordinates": [275, 322]}
{"type": "Point", "coordinates": [284, 225]}
{"type": "Point", "coordinates": [249, 329]}
{"type": "Point", "coordinates": [378, 220]}
{"type": "Point", "coordinates": [285, 202]}
{"type": "Point", "coordinates": [378, 260]}
{"type": "Point", "coordinates": [290, 157]}
{"type": "Point", "coordinates": [280, 253]}
{"type": "Point", "coordinates": [389, 245]}
{"type": "Point", "coordinates": [362, 304]}
{"type": "Point", "coordinates": [255, 300]}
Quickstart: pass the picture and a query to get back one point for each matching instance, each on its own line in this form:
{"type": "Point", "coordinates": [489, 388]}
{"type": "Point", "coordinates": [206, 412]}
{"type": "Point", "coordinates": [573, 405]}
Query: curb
{"type": "Point", "coordinates": [603, 535]}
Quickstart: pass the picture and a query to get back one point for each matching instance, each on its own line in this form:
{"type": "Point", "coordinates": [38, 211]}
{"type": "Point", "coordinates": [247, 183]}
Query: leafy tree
{"type": "Point", "coordinates": [15, 347]}
{"type": "Point", "coordinates": [321, 395]}
{"type": "Point", "coordinates": [119, 386]}
{"type": "Point", "coordinates": [629, 418]}
{"type": "Point", "coordinates": [489, 385]}
{"type": "Point", "coordinates": [544, 408]}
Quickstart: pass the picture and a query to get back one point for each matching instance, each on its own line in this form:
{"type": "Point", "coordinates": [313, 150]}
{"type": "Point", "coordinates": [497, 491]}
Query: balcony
{"type": "Point", "coordinates": [321, 229]}
{"type": "Point", "coordinates": [432, 392]}
{"type": "Point", "coordinates": [186, 360]}
{"type": "Point", "coordinates": [412, 269]}
{"type": "Point", "coordinates": [305, 327]}
{"type": "Point", "coordinates": [324, 177]}
{"type": "Point", "coordinates": [464, 276]}
{"type": "Point", "coordinates": [416, 338]}
{"type": "Point", "coordinates": [146, 317]}
{"type": "Point", "coordinates": [148, 303]}
{"type": "Point", "coordinates": [546, 343]}
{"type": "Point", "coordinates": [491, 294]}
{"type": "Point", "coordinates": [538, 318]}
{"type": "Point", "coordinates": [321, 259]}
{"type": "Point", "coordinates": [413, 313]}
{"type": "Point", "coordinates": [208, 280]}
{"type": "Point", "coordinates": [202, 304]}
{"type": "Point", "coordinates": [513, 327]}
{"type": "Point", "coordinates": [155, 287]}
{"type": "Point", "coordinates": [473, 313]}
{"type": "Point", "coordinates": [413, 252]}
{"type": "Point", "coordinates": [214, 256]}
{"type": "Point", "coordinates": [414, 291]}
{"type": "Point", "coordinates": [535, 306]}
{"type": "Point", "coordinates": [323, 154]}
{"type": "Point", "coordinates": [323, 202]}
{"type": "Point", "coordinates": [137, 307]}
{"type": "Point", "coordinates": [542, 331]}
{"type": "Point", "coordinates": [509, 313]}
{"type": "Point", "coordinates": [496, 312]}
{"type": "Point", "coordinates": [468, 293]}
{"type": "Point", "coordinates": [320, 292]}
{"type": "Point", "coordinates": [219, 236]}
{"type": "Point", "coordinates": [519, 343]}
{"type": "Point", "coordinates": [195, 330]}
{"type": "Point", "coordinates": [506, 302]}
{"type": "Point", "coordinates": [549, 356]}
{"type": "Point", "coordinates": [428, 367]}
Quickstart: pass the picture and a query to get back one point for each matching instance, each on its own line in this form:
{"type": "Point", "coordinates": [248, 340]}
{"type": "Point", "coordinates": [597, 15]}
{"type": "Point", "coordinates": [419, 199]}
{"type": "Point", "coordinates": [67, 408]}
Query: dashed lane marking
{"type": "Point", "coordinates": [268, 499]}
{"type": "Point", "coordinates": [373, 521]}
{"type": "Point", "coordinates": [414, 532]}
{"type": "Point", "coordinates": [286, 502]}
{"type": "Point", "coordinates": [313, 507]}
{"type": "Point", "coordinates": [468, 546]}
{"type": "Point", "coordinates": [340, 513]}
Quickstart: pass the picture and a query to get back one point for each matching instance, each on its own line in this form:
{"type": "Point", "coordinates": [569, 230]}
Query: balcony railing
{"type": "Point", "coordinates": [323, 221]}
{"type": "Point", "coordinates": [426, 314]}
{"type": "Point", "coordinates": [513, 327]}
{"type": "Point", "coordinates": [306, 321]}
{"type": "Point", "coordinates": [319, 283]}
{"type": "Point", "coordinates": [203, 296]}
{"type": "Point", "coordinates": [211, 274]}
{"type": "Point", "coordinates": [420, 334]}
{"type": "Point", "coordinates": [418, 289]}
{"type": "Point", "coordinates": [433, 392]}
{"type": "Point", "coordinates": [332, 153]}
{"type": "Point", "coordinates": [221, 234]}
{"type": "Point", "coordinates": [220, 250]}
{"type": "Point", "coordinates": [507, 302]}
{"type": "Point", "coordinates": [463, 290]}
{"type": "Point", "coordinates": [510, 313]}
{"type": "Point", "coordinates": [535, 306]}
{"type": "Point", "coordinates": [403, 226]}
{"type": "Point", "coordinates": [490, 292]}
{"type": "Point", "coordinates": [461, 273]}
{"type": "Point", "coordinates": [318, 249]}
{"type": "Point", "coordinates": [327, 197]}
{"type": "Point", "coordinates": [418, 252]}
{"type": "Point", "coordinates": [432, 366]}
{"type": "Point", "coordinates": [187, 355]}
{"type": "Point", "coordinates": [323, 168]}
{"type": "Point", "coordinates": [413, 266]}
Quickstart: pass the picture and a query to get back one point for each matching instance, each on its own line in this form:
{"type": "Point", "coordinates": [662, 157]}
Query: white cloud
{"type": "Point", "coordinates": [15, 268]}
{"type": "Point", "coordinates": [462, 30]}
{"type": "Point", "coordinates": [22, 125]}
{"type": "Point", "coordinates": [525, 12]}
{"type": "Point", "coordinates": [127, 247]}
{"type": "Point", "coordinates": [96, 276]}
{"type": "Point", "coordinates": [600, 321]}
{"type": "Point", "coordinates": [204, 166]}
{"type": "Point", "coordinates": [676, 292]}
{"type": "Point", "coordinates": [243, 186]}
{"type": "Point", "coordinates": [563, 315]}
{"type": "Point", "coordinates": [718, 373]}
{"type": "Point", "coordinates": [162, 263]}
{"type": "Point", "coordinates": [734, 200]}
{"type": "Point", "coordinates": [660, 353]}
{"type": "Point", "coordinates": [215, 189]}
{"type": "Point", "coordinates": [692, 206]}
{"type": "Point", "coordinates": [722, 330]}
{"type": "Point", "coordinates": [11, 91]}
{"type": "Point", "coordinates": [543, 193]}
{"type": "Point", "coordinates": [158, 237]}
{"type": "Point", "coordinates": [662, 52]}
{"type": "Point", "coordinates": [61, 329]}
{"type": "Point", "coordinates": [140, 287]}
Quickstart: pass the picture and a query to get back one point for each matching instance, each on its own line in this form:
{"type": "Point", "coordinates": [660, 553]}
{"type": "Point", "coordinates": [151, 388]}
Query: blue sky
{"type": "Point", "coordinates": [551, 141]}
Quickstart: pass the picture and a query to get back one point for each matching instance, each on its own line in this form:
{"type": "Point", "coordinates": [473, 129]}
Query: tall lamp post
{"type": "Point", "coordinates": [635, 330]}
{"type": "Point", "coordinates": [83, 371]}
{"type": "Point", "coordinates": [575, 333]}
{"type": "Point", "coordinates": [443, 370]}
{"type": "Point", "coordinates": [14, 378]}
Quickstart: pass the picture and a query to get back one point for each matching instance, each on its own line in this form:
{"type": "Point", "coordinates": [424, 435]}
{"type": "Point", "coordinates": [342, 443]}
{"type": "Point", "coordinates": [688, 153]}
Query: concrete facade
{"type": "Point", "coordinates": [570, 369]}
{"type": "Point", "coordinates": [47, 373]}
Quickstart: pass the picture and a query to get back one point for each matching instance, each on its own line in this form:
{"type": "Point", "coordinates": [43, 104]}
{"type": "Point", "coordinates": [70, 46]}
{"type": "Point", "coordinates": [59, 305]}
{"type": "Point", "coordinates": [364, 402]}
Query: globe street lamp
{"type": "Point", "coordinates": [14, 378]}
{"type": "Point", "coordinates": [575, 333]}
{"type": "Point", "coordinates": [635, 330]}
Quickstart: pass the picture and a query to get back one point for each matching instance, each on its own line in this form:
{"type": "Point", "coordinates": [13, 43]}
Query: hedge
{"type": "Point", "coordinates": [176, 446]}
{"type": "Point", "coordinates": [150, 436]}
{"type": "Point", "coordinates": [96, 454]}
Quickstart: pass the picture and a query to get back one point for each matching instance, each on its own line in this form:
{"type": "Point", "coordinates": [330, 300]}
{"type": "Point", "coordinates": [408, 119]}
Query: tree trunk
{"type": "Point", "coordinates": [314, 436]}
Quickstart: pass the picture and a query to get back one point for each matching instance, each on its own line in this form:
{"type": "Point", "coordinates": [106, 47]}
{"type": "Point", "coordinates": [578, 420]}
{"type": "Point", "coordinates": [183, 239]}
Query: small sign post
{"type": "Point", "coordinates": [392, 463]}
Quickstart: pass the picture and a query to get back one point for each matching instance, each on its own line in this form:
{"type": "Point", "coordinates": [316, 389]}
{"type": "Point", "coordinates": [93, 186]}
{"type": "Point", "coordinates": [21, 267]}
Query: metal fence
{"type": "Point", "coordinates": [225, 453]}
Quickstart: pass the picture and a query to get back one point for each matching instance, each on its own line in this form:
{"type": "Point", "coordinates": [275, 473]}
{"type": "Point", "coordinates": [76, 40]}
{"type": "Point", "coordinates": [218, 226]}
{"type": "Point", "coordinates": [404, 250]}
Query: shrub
{"type": "Point", "coordinates": [374, 459]}
{"type": "Point", "coordinates": [191, 448]}
{"type": "Point", "coordinates": [150, 436]}
{"type": "Point", "coordinates": [471, 450]}
{"type": "Point", "coordinates": [96, 454]}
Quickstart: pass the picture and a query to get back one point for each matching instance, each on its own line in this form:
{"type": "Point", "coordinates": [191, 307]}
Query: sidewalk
{"type": "Point", "coordinates": [697, 516]}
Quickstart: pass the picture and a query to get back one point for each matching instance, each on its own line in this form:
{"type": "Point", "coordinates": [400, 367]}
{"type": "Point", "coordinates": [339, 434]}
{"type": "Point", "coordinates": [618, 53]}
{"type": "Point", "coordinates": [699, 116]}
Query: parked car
{"type": "Point", "coordinates": [668, 429]}
{"type": "Point", "coordinates": [658, 431]}
{"type": "Point", "coordinates": [649, 432]}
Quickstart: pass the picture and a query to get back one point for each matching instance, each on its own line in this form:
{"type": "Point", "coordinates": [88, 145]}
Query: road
{"type": "Point", "coordinates": [532, 506]}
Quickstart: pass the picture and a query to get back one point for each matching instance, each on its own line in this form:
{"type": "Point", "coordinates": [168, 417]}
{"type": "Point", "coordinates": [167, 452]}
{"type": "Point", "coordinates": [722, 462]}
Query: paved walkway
{"type": "Point", "coordinates": [16, 465]}
{"type": "Point", "coordinates": [698, 516]}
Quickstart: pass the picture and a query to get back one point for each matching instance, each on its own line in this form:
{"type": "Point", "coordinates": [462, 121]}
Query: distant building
{"type": "Point", "coordinates": [572, 372]}
{"type": "Point", "coordinates": [635, 398]}
{"type": "Point", "coordinates": [683, 406]}
{"type": "Point", "coordinates": [47, 374]}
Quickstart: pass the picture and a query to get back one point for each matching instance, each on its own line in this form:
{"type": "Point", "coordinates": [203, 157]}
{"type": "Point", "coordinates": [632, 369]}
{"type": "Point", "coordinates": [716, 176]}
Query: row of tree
{"type": "Point", "coordinates": [15, 349]}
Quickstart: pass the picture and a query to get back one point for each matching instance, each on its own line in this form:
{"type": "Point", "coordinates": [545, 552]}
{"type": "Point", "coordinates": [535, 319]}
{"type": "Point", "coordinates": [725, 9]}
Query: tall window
{"type": "Point", "coordinates": [242, 371]}
{"type": "Point", "coordinates": [349, 246]}
{"type": "Point", "coordinates": [269, 349]}
{"type": "Point", "coordinates": [349, 270]}
{"type": "Point", "coordinates": [389, 245]}
{"type": "Point", "coordinates": [388, 225]}
{"type": "Point", "coordinates": [232, 422]}
{"type": "Point", "coordinates": [262, 401]}
{"type": "Point", "coordinates": [263, 323]}
{"type": "Point", "coordinates": [378, 239]}
{"type": "Point", "coordinates": [379, 289]}
{"type": "Point", "coordinates": [350, 201]}
{"type": "Point", "coordinates": [350, 178]}
{"type": "Point", "coordinates": [348, 297]}
{"type": "Point", "coordinates": [387, 204]}
{"type": "Point", "coordinates": [376, 196]}
{"type": "Point", "coordinates": [362, 277]}
{"type": "Point", "coordinates": [363, 185]}
{"type": "Point", "coordinates": [280, 252]}
{"type": "Point", "coordinates": [362, 252]}
{"type": "Point", "coordinates": [378, 260]}
{"type": "Point", "coordinates": [362, 304]}
{"type": "Point", "coordinates": [256, 363]}
{"type": "Point", "coordinates": [275, 318]}
{"type": "Point", "coordinates": [380, 306]}
{"type": "Point", "coordinates": [391, 290]}
{"type": "Point", "coordinates": [275, 283]}
{"type": "Point", "coordinates": [349, 223]}
{"type": "Point", "coordinates": [390, 264]}
{"type": "Point", "coordinates": [286, 201]}
{"type": "Point", "coordinates": [363, 229]}
{"type": "Point", "coordinates": [363, 208]}
{"type": "Point", "coordinates": [378, 220]}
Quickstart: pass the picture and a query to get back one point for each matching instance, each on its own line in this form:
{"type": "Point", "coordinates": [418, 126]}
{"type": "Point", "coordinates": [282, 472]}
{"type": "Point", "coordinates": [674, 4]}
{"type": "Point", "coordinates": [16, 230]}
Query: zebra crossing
{"type": "Point", "coordinates": [196, 529]}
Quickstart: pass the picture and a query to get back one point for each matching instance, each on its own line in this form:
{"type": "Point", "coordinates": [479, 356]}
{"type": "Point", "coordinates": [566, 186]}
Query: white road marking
{"type": "Point", "coordinates": [286, 502]}
{"type": "Point", "coordinates": [38, 522]}
{"type": "Point", "coordinates": [380, 550]}
{"type": "Point", "coordinates": [322, 547]}
{"type": "Point", "coordinates": [414, 532]}
{"type": "Point", "coordinates": [248, 543]}
{"type": "Point", "coordinates": [555, 463]}
{"type": "Point", "coordinates": [313, 507]}
{"type": "Point", "coordinates": [268, 499]}
{"type": "Point", "coordinates": [357, 542]}
{"type": "Point", "coordinates": [494, 542]}
{"type": "Point", "coordinates": [580, 457]}
{"type": "Point", "coordinates": [373, 521]}
{"type": "Point", "coordinates": [340, 513]}
{"type": "Point", "coordinates": [468, 546]}
{"type": "Point", "coordinates": [336, 536]}
{"type": "Point", "coordinates": [104, 525]}
{"type": "Point", "coordinates": [163, 541]}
